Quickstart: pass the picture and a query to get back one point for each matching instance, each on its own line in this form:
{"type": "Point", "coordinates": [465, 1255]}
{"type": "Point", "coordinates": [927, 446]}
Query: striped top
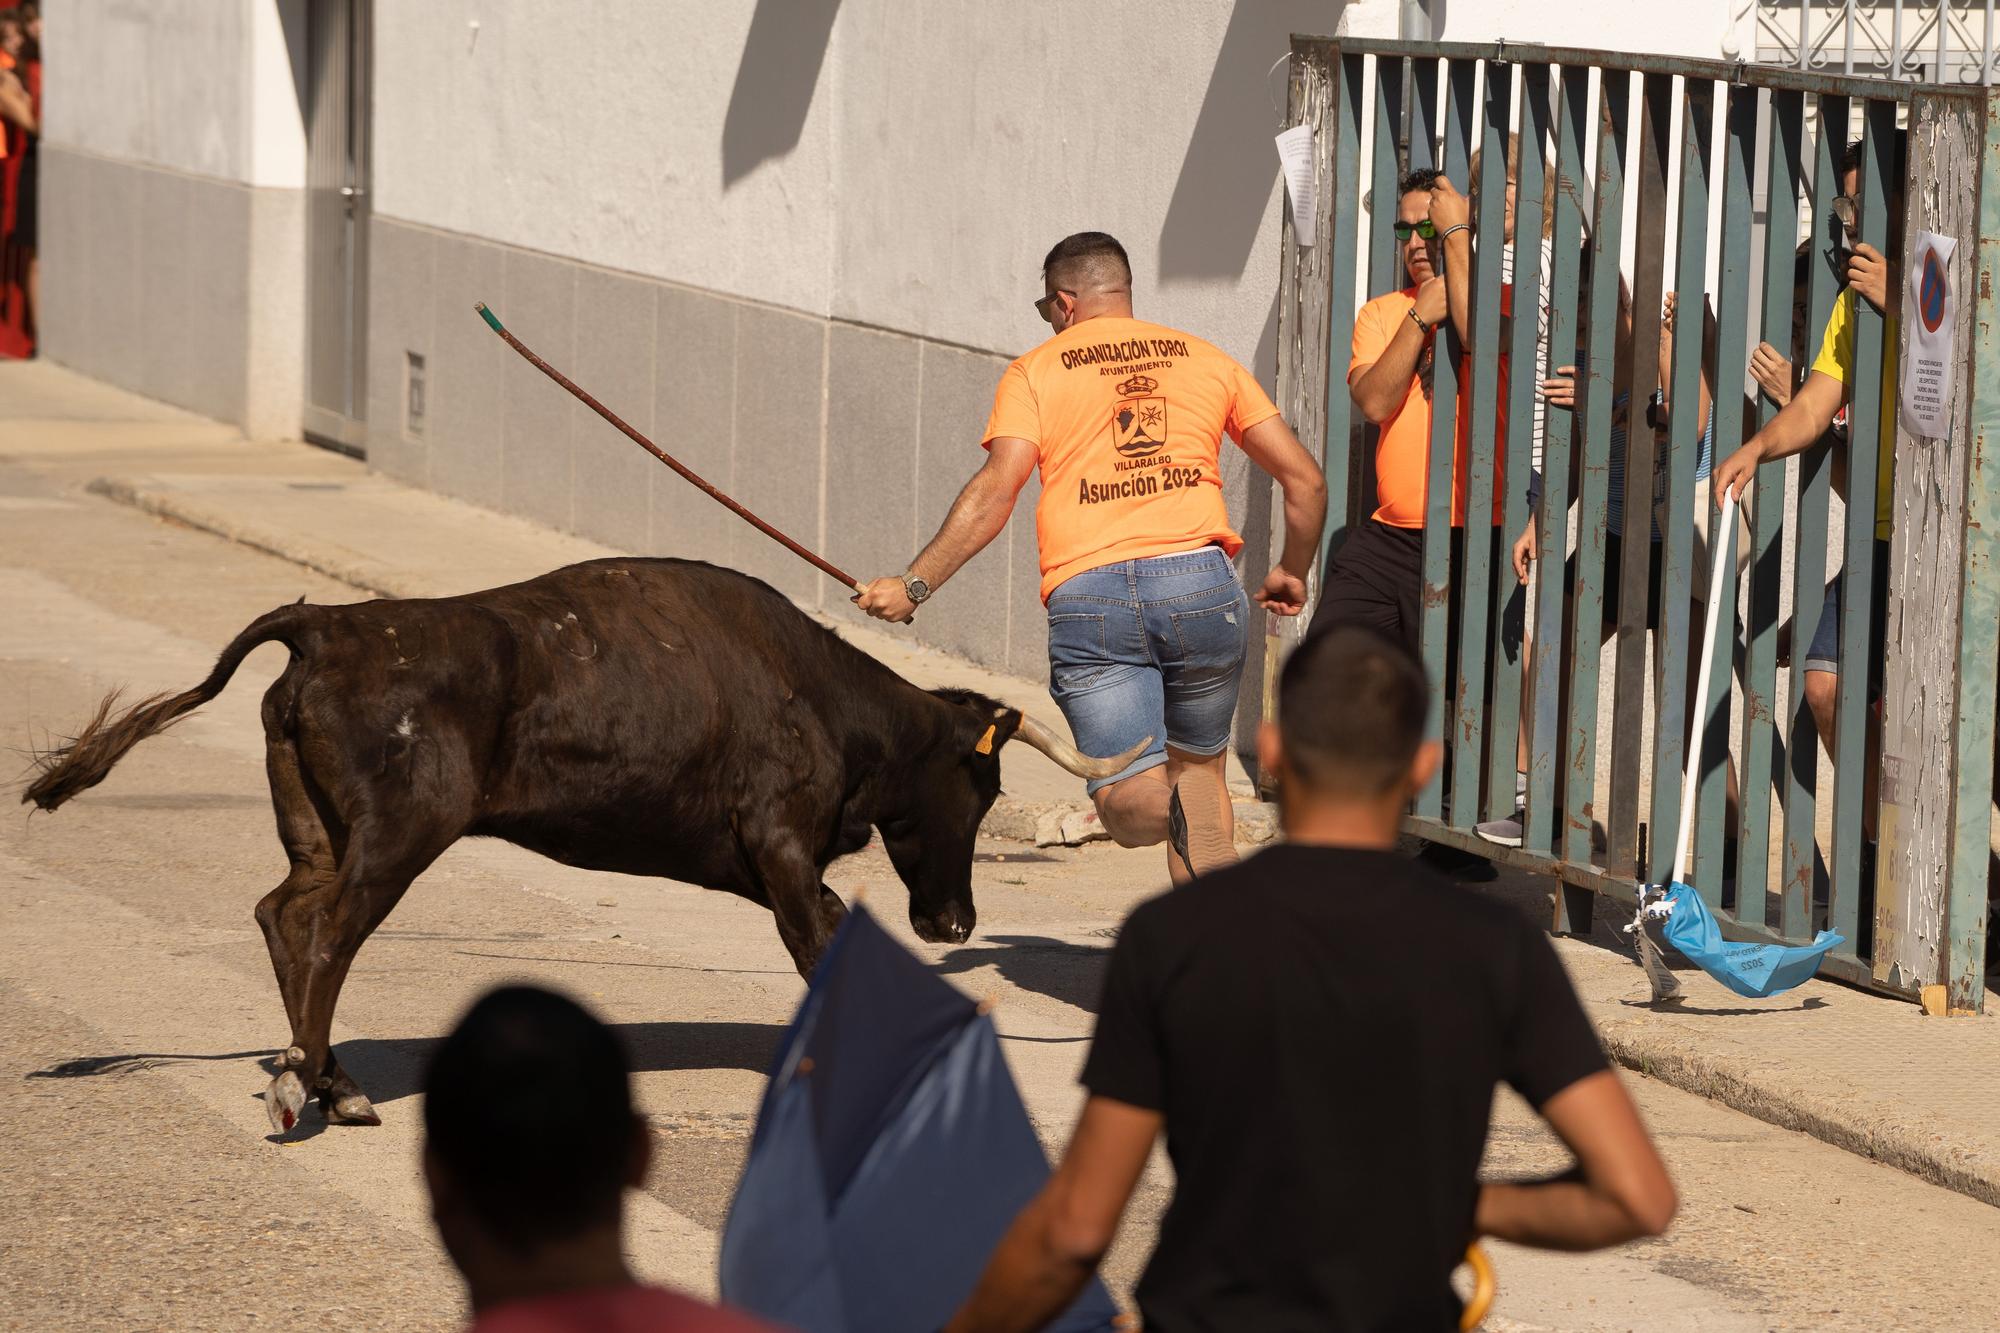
{"type": "Point", "coordinates": [1614, 524]}
{"type": "Point", "coordinates": [1704, 464]}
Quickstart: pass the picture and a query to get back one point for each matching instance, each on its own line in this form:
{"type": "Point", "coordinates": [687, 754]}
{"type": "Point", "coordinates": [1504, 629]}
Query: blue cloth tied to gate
{"type": "Point", "coordinates": [1753, 970]}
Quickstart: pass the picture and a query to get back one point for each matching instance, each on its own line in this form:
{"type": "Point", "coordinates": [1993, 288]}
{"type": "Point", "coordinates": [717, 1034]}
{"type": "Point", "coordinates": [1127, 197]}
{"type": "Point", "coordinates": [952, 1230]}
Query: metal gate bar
{"type": "Point", "coordinates": [1611, 124]}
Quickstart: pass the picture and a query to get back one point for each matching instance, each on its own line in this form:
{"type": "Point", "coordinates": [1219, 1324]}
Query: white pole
{"type": "Point", "coordinates": [1722, 538]}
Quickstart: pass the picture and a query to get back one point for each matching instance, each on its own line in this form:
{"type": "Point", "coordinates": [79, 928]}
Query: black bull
{"type": "Point", "coordinates": [652, 717]}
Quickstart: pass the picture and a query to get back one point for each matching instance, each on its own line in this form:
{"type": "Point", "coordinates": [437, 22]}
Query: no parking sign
{"type": "Point", "coordinates": [1929, 308]}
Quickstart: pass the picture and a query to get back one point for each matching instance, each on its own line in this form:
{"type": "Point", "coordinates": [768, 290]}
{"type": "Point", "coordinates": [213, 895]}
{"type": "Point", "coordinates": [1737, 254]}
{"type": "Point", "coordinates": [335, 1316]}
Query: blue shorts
{"type": "Point", "coordinates": [1153, 648]}
{"type": "Point", "coordinates": [1824, 652]}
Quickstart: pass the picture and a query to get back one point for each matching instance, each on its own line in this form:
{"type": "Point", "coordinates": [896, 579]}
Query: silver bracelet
{"type": "Point", "coordinates": [1457, 226]}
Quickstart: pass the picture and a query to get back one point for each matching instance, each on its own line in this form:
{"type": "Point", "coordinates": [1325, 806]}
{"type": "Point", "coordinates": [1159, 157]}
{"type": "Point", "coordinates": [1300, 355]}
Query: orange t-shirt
{"type": "Point", "coordinates": [1127, 420]}
{"type": "Point", "coordinates": [1402, 457]}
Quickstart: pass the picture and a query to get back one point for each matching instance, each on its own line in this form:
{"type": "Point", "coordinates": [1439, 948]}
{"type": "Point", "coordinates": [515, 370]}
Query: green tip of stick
{"type": "Point", "coordinates": [492, 320]}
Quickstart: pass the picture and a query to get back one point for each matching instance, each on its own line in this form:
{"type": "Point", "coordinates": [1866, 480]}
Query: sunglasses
{"type": "Point", "coordinates": [1845, 226]}
{"type": "Point", "coordinates": [1426, 229]}
{"type": "Point", "coordinates": [1043, 304]}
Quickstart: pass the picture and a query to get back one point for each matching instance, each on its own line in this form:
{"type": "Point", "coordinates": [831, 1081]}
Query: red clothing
{"type": "Point", "coordinates": [633, 1309]}
{"type": "Point", "coordinates": [18, 235]}
{"type": "Point", "coordinates": [16, 145]}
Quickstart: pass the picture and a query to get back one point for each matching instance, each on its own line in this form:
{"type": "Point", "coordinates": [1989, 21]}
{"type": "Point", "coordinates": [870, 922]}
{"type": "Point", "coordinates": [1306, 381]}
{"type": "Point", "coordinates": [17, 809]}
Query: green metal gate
{"type": "Point", "coordinates": [1658, 165]}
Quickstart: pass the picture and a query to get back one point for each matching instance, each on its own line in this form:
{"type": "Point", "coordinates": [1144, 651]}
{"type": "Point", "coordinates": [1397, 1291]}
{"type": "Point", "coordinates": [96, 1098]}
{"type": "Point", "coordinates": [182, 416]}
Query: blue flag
{"type": "Point", "coordinates": [891, 1153]}
{"type": "Point", "coordinates": [1754, 970]}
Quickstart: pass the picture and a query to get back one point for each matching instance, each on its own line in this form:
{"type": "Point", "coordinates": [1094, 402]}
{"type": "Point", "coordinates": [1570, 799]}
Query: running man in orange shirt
{"type": "Point", "coordinates": [1147, 622]}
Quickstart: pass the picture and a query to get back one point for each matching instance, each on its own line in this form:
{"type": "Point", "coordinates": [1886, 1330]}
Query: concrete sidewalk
{"type": "Point", "coordinates": [1862, 1072]}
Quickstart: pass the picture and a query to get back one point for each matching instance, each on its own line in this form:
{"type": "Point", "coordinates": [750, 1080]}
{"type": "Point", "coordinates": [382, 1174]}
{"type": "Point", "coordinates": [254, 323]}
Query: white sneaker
{"type": "Point", "coordinates": [1506, 832]}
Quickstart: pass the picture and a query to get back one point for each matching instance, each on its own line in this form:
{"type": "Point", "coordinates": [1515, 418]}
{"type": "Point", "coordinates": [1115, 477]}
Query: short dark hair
{"type": "Point", "coordinates": [1351, 707]}
{"type": "Point", "coordinates": [1422, 178]}
{"type": "Point", "coordinates": [1850, 156]}
{"type": "Point", "coordinates": [1085, 249]}
{"type": "Point", "coordinates": [528, 1107]}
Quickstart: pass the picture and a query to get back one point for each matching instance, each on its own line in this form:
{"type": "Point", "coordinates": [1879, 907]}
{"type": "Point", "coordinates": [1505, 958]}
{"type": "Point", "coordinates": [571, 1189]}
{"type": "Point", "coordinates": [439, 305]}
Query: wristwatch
{"type": "Point", "coordinates": [916, 589]}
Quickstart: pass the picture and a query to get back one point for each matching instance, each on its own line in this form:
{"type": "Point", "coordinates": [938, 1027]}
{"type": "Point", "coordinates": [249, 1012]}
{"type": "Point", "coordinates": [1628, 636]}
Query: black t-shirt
{"type": "Point", "coordinates": [1322, 1029]}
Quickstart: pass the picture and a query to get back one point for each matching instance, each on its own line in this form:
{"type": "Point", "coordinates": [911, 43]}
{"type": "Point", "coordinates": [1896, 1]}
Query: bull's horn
{"type": "Point", "coordinates": [1071, 758]}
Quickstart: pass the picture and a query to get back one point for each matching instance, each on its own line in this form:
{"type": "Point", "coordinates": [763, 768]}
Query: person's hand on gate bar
{"type": "Point", "coordinates": [1734, 474]}
{"type": "Point", "coordinates": [1559, 389]}
{"type": "Point", "coordinates": [1868, 274]}
{"type": "Point", "coordinates": [1772, 370]}
{"type": "Point", "coordinates": [887, 599]}
{"type": "Point", "coordinates": [1449, 208]}
{"type": "Point", "coordinates": [1283, 592]}
{"type": "Point", "coordinates": [1433, 301]}
{"type": "Point", "coordinates": [1524, 551]}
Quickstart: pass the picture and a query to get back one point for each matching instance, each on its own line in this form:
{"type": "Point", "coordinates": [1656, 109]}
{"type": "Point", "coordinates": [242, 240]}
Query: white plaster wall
{"type": "Point", "coordinates": [970, 138]}
{"type": "Point", "coordinates": [276, 76]}
{"type": "Point", "coordinates": [941, 151]}
{"type": "Point", "coordinates": [894, 162]}
{"type": "Point", "coordinates": [598, 132]}
{"type": "Point", "coordinates": [201, 86]}
{"type": "Point", "coordinates": [1699, 28]}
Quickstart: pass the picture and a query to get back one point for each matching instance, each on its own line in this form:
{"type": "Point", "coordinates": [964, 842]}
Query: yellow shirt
{"type": "Point", "coordinates": [1836, 355]}
{"type": "Point", "coordinates": [1127, 420]}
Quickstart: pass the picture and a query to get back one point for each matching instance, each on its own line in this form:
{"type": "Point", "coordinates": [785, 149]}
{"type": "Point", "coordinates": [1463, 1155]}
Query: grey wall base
{"type": "Point", "coordinates": [851, 439]}
{"type": "Point", "coordinates": [184, 288]}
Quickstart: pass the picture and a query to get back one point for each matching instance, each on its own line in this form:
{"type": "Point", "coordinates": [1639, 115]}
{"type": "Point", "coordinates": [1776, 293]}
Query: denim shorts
{"type": "Point", "coordinates": [1149, 647]}
{"type": "Point", "coordinates": [1824, 652]}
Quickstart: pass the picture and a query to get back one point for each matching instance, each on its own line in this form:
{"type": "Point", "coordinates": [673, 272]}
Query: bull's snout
{"type": "Point", "coordinates": [953, 925]}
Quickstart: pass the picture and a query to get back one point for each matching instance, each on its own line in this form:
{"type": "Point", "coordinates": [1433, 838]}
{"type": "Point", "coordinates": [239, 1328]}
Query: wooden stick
{"type": "Point", "coordinates": [825, 566]}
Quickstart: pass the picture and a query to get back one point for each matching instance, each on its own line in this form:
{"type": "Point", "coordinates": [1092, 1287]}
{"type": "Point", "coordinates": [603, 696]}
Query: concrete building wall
{"type": "Point", "coordinates": [172, 255]}
{"type": "Point", "coordinates": [837, 211]}
{"type": "Point", "coordinates": [852, 439]}
{"type": "Point", "coordinates": [889, 162]}
{"type": "Point", "coordinates": [610, 134]}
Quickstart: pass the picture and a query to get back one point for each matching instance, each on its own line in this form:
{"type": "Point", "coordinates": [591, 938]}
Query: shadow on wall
{"type": "Point", "coordinates": [1231, 165]}
{"type": "Point", "coordinates": [781, 62]}
{"type": "Point", "coordinates": [1264, 361]}
{"type": "Point", "coordinates": [292, 23]}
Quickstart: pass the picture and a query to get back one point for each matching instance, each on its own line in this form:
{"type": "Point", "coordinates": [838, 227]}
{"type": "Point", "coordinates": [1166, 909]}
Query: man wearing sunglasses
{"type": "Point", "coordinates": [1377, 579]}
{"type": "Point", "coordinates": [1147, 622]}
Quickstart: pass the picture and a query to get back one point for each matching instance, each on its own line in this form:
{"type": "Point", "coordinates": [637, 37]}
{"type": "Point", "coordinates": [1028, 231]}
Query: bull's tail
{"type": "Point", "coordinates": [88, 757]}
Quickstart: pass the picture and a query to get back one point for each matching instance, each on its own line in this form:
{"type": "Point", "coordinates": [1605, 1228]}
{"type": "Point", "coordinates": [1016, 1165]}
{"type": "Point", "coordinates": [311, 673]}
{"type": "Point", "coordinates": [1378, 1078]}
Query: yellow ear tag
{"type": "Point", "coordinates": [985, 745]}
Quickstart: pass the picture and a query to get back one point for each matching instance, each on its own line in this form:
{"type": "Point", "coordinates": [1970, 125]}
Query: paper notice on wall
{"type": "Point", "coordinates": [1929, 308]}
{"type": "Point", "coordinates": [1295, 153]}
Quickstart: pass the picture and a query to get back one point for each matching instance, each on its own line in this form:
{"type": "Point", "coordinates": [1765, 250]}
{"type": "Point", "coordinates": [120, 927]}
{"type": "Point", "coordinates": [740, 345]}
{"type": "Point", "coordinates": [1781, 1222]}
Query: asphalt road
{"type": "Point", "coordinates": [139, 1187]}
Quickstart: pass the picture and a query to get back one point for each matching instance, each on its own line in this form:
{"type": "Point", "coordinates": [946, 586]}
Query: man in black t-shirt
{"type": "Point", "coordinates": [1319, 1030]}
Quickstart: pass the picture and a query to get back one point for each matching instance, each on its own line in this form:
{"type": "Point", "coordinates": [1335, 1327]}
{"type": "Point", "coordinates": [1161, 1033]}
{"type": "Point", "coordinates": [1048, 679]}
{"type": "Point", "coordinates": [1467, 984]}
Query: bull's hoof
{"type": "Point", "coordinates": [283, 1101]}
{"type": "Point", "coordinates": [351, 1109]}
